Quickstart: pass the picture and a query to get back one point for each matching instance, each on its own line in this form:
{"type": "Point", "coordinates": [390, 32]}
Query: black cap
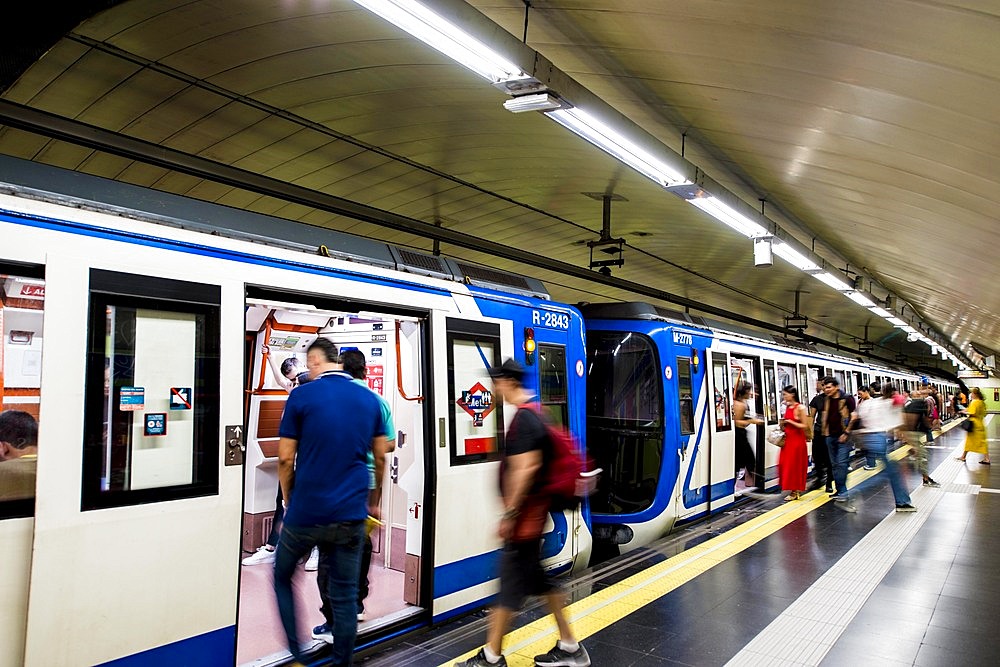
{"type": "Point", "coordinates": [508, 370]}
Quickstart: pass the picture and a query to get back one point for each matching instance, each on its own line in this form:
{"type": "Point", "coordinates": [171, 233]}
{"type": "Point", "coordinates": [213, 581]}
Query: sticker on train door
{"type": "Point", "coordinates": [478, 402]}
{"type": "Point", "coordinates": [131, 399]}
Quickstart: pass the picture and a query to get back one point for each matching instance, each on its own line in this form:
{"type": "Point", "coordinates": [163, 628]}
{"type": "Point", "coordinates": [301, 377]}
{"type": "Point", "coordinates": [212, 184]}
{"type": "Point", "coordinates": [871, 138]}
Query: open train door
{"type": "Point", "coordinates": [469, 423]}
{"type": "Point", "coordinates": [136, 498]}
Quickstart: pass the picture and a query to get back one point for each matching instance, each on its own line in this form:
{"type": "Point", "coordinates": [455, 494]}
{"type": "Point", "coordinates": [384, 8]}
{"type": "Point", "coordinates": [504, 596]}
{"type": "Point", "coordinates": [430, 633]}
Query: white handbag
{"type": "Point", "coordinates": [776, 436]}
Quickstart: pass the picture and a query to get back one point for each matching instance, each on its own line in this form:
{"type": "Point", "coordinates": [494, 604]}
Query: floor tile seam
{"type": "Point", "coordinates": [848, 562]}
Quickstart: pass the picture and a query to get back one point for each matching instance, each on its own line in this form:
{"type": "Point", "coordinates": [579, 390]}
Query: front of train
{"type": "Point", "coordinates": [640, 418]}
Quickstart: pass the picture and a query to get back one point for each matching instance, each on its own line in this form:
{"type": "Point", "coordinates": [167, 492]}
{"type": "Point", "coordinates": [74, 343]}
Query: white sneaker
{"type": "Point", "coordinates": [312, 564]}
{"type": "Point", "coordinates": [262, 556]}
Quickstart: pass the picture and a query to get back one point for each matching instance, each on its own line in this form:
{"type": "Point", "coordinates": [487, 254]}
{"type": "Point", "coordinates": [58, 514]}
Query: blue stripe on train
{"type": "Point", "coordinates": [208, 650]}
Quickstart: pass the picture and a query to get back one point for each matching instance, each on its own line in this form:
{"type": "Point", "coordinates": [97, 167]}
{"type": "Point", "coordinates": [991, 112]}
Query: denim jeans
{"type": "Point", "coordinates": [840, 456]}
{"type": "Point", "coordinates": [340, 544]}
{"type": "Point", "coordinates": [877, 444]}
{"type": "Point", "coordinates": [323, 581]}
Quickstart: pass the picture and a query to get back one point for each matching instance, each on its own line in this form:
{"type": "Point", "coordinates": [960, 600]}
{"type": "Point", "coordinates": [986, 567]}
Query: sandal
{"type": "Point", "coordinates": [984, 463]}
{"type": "Point", "coordinates": [792, 496]}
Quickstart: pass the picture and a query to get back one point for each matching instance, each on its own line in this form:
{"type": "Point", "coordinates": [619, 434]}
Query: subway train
{"type": "Point", "coordinates": [659, 421]}
{"type": "Point", "coordinates": [148, 495]}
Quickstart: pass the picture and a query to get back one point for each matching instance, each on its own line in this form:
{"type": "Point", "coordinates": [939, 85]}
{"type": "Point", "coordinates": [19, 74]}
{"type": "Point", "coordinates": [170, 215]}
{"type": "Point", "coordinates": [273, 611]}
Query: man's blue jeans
{"type": "Point", "coordinates": [840, 456]}
{"type": "Point", "coordinates": [877, 445]}
{"type": "Point", "coordinates": [340, 544]}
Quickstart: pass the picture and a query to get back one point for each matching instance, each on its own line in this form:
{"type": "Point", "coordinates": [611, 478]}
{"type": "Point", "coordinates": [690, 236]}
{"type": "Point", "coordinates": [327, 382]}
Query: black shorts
{"type": "Point", "coordinates": [521, 574]}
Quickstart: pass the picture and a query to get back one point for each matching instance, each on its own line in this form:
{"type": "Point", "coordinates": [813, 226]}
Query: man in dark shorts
{"type": "Point", "coordinates": [820, 452]}
{"type": "Point", "coordinates": [525, 455]}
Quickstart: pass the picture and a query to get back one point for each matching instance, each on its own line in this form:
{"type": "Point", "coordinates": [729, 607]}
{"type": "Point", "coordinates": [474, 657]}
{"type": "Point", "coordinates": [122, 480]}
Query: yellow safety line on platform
{"type": "Point", "coordinates": [608, 606]}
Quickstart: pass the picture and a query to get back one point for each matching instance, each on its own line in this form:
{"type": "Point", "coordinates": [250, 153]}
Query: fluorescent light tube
{"type": "Point", "coordinates": [895, 321]}
{"type": "Point", "coordinates": [795, 258]}
{"type": "Point", "coordinates": [833, 281]}
{"type": "Point", "coordinates": [727, 215]}
{"type": "Point", "coordinates": [446, 37]}
{"type": "Point", "coordinates": [536, 102]}
{"type": "Point", "coordinates": [881, 312]}
{"type": "Point", "coordinates": [860, 299]}
{"type": "Point", "coordinates": [614, 143]}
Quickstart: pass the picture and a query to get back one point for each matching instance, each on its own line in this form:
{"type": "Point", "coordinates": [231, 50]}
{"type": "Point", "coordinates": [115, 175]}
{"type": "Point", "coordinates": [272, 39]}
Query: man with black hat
{"type": "Point", "coordinates": [526, 451]}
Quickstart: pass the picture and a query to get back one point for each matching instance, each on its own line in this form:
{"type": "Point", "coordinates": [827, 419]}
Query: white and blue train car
{"type": "Point", "coordinates": [142, 331]}
{"type": "Point", "coordinates": [659, 413]}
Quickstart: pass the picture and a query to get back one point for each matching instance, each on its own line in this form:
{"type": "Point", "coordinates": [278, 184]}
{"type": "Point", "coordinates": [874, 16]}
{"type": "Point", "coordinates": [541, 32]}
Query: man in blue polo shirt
{"type": "Point", "coordinates": [327, 430]}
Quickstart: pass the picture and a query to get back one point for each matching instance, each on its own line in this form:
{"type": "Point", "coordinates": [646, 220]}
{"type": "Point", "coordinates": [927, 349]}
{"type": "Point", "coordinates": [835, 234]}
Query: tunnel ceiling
{"type": "Point", "coordinates": [872, 126]}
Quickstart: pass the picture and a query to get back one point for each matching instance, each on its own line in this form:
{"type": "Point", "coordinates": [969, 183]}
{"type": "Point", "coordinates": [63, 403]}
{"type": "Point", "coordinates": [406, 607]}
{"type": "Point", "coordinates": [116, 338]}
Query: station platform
{"type": "Point", "coordinates": [786, 583]}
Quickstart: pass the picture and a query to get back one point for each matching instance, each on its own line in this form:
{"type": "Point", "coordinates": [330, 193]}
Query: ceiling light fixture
{"type": "Point", "coordinates": [795, 258]}
{"type": "Point", "coordinates": [895, 321]}
{"type": "Point", "coordinates": [725, 214]}
{"type": "Point", "coordinates": [617, 145]}
{"type": "Point", "coordinates": [861, 299]}
{"type": "Point", "coordinates": [445, 37]}
{"type": "Point", "coordinates": [833, 281]}
{"type": "Point", "coordinates": [536, 102]}
{"type": "Point", "coordinates": [881, 312]}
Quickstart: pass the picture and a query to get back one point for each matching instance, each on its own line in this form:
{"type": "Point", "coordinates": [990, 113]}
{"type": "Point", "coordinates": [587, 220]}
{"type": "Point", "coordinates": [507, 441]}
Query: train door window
{"type": "Point", "coordinates": [151, 417]}
{"type": "Point", "coordinates": [477, 419]}
{"type": "Point", "coordinates": [786, 377]}
{"type": "Point", "coordinates": [770, 394]}
{"type": "Point", "coordinates": [22, 307]}
{"type": "Point", "coordinates": [720, 378]}
{"type": "Point", "coordinates": [624, 419]}
{"type": "Point", "coordinates": [553, 390]}
{"type": "Point", "coordinates": [807, 386]}
{"type": "Point", "coordinates": [842, 378]}
{"type": "Point", "coordinates": [685, 395]}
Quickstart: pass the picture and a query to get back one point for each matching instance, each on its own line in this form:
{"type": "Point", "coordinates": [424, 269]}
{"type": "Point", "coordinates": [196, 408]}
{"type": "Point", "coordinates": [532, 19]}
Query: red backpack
{"type": "Point", "coordinates": [565, 479]}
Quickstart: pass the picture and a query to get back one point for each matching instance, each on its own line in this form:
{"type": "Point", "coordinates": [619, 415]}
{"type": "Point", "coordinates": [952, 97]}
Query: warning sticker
{"type": "Point", "coordinates": [131, 399]}
{"type": "Point", "coordinates": [180, 398]}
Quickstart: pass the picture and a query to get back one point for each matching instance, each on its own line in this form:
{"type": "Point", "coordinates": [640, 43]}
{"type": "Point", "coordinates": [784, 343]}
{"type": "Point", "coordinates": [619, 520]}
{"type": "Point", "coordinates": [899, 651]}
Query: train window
{"type": "Point", "coordinates": [624, 419]}
{"type": "Point", "coordinates": [151, 417]}
{"type": "Point", "coordinates": [476, 418]}
{"type": "Point", "coordinates": [807, 387]}
{"type": "Point", "coordinates": [786, 376]}
{"type": "Point", "coordinates": [770, 394]}
{"type": "Point", "coordinates": [553, 386]}
{"type": "Point", "coordinates": [22, 306]}
{"type": "Point", "coordinates": [723, 416]}
{"type": "Point", "coordinates": [685, 395]}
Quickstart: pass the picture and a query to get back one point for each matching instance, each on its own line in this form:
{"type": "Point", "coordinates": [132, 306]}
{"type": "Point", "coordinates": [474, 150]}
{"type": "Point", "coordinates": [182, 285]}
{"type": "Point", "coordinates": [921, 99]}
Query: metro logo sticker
{"type": "Point", "coordinates": [478, 402]}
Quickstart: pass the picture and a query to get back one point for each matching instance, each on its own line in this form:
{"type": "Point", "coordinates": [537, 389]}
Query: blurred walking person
{"type": "Point", "coordinates": [975, 440]}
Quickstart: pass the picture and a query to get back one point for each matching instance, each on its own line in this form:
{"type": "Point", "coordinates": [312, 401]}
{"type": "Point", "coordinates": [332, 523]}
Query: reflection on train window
{"type": "Point", "coordinates": [152, 400]}
{"type": "Point", "coordinates": [786, 377]}
{"type": "Point", "coordinates": [476, 416]}
{"type": "Point", "coordinates": [624, 419]}
{"type": "Point", "coordinates": [685, 395]}
{"type": "Point", "coordinates": [770, 394]}
{"type": "Point", "coordinates": [553, 385]}
{"type": "Point", "coordinates": [22, 302]}
{"type": "Point", "coordinates": [720, 379]}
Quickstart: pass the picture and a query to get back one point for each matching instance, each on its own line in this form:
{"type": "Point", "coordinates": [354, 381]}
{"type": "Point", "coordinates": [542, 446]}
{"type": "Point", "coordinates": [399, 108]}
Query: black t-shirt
{"type": "Point", "coordinates": [527, 433]}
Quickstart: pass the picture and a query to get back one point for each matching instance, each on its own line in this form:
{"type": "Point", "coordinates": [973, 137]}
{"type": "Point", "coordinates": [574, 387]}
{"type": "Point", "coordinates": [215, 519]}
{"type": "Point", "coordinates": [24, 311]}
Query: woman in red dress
{"type": "Point", "coordinates": [793, 461]}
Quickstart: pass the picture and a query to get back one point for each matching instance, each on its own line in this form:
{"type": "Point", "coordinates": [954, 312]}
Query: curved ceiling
{"type": "Point", "coordinates": [870, 128]}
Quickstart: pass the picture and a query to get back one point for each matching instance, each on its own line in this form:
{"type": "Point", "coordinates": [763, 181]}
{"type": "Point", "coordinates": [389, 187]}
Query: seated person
{"type": "Point", "coordinates": [18, 454]}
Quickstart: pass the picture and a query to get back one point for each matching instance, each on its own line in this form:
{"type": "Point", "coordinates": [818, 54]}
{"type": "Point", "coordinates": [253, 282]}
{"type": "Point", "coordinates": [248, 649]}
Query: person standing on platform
{"type": "Point", "coordinates": [353, 362]}
{"type": "Point", "coordinates": [820, 451]}
{"type": "Point", "coordinates": [975, 440]}
{"type": "Point", "coordinates": [914, 425]}
{"type": "Point", "coordinates": [875, 420]}
{"type": "Point", "coordinates": [526, 451]}
{"type": "Point", "coordinates": [793, 461]}
{"type": "Point", "coordinates": [327, 429]}
{"type": "Point", "coordinates": [745, 458]}
{"type": "Point", "coordinates": [837, 410]}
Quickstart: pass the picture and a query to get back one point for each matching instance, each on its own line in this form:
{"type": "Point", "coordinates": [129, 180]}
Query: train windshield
{"type": "Point", "coordinates": [624, 419]}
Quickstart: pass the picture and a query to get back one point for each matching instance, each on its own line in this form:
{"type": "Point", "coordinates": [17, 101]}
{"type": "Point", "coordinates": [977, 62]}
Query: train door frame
{"type": "Point", "coordinates": [684, 352]}
{"type": "Point", "coordinates": [757, 382]}
{"type": "Point", "coordinates": [722, 399]}
{"type": "Point", "coordinates": [281, 296]}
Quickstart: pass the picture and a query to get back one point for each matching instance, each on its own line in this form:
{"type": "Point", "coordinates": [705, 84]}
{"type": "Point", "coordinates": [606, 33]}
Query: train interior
{"type": "Point", "coordinates": [276, 333]}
